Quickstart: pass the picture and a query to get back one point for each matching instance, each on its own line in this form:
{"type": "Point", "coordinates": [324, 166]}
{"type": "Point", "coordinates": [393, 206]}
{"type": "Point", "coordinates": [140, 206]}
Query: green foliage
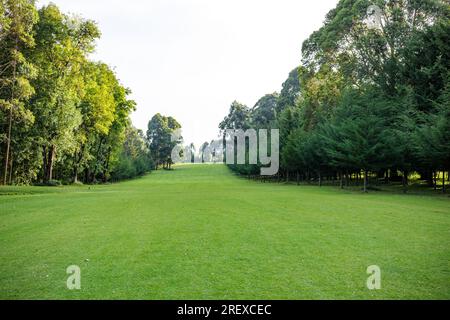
{"type": "Point", "coordinates": [368, 98]}
{"type": "Point", "coordinates": [358, 137]}
{"type": "Point", "coordinates": [239, 117]}
{"type": "Point", "coordinates": [59, 57]}
{"type": "Point", "coordinates": [17, 19]}
{"type": "Point", "coordinates": [160, 133]}
{"type": "Point", "coordinates": [135, 159]}
{"type": "Point", "coordinates": [62, 116]}
{"type": "Point", "coordinates": [263, 114]}
{"type": "Point", "coordinates": [290, 91]}
{"type": "Point", "coordinates": [433, 136]}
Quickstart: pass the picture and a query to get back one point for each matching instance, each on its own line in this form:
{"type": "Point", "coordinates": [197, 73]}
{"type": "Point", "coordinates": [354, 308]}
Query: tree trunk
{"type": "Point", "coordinates": [50, 162]}
{"type": "Point", "coordinates": [8, 145]}
{"type": "Point", "coordinates": [75, 174]}
{"type": "Point", "coordinates": [341, 180]}
{"type": "Point", "coordinates": [365, 181]}
{"type": "Point", "coordinates": [102, 140]}
{"type": "Point", "coordinates": [320, 179]}
{"type": "Point", "coordinates": [298, 178]}
{"type": "Point", "coordinates": [106, 168]}
{"type": "Point", "coordinates": [435, 180]}
{"type": "Point", "coordinates": [44, 163]}
{"type": "Point", "coordinates": [405, 181]}
{"type": "Point", "coordinates": [443, 181]}
{"type": "Point", "coordinates": [287, 176]}
{"type": "Point", "coordinates": [76, 165]}
{"type": "Point", "coordinates": [11, 167]}
{"type": "Point", "coordinates": [13, 93]}
{"type": "Point", "coordinates": [430, 178]}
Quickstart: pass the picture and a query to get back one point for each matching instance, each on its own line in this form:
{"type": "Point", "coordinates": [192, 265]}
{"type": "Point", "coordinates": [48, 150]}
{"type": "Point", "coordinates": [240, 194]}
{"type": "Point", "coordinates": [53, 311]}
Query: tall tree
{"type": "Point", "coordinates": [62, 43]}
{"type": "Point", "coordinates": [97, 107]}
{"type": "Point", "coordinates": [433, 137]}
{"type": "Point", "coordinates": [238, 117]}
{"type": "Point", "coordinates": [366, 52]}
{"type": "Point", "coordinates": [110, 151]}
{"type": "Point", "coordinates": [159, 137]}
{"type": "Point", "coordinates": [264, 112]}
{"type": "Point", "coordinates": [359, 136]}
{"type": "Point", "coordinates": [290, 91]}
{"type": "Point", "coordinates": [17, 18]}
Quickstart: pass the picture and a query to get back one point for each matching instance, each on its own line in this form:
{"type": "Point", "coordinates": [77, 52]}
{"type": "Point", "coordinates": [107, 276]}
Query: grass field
{"type": "Point", "coordinates": [199, 232]}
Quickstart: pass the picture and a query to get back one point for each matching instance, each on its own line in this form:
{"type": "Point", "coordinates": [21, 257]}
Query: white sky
{"type": "Point", "coordinates": [191, 58]}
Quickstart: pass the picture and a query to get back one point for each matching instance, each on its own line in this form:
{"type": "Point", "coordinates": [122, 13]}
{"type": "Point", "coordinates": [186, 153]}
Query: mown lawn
{"type": "Point", "coordinates": [201, 233]}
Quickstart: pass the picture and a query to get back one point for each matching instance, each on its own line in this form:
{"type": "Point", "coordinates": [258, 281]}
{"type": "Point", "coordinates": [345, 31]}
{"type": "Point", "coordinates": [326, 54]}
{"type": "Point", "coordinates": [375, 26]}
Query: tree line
{"type": "Point", "coordinates": [63, 117]}
{"type": "Point", "coordinates": [370, 99]}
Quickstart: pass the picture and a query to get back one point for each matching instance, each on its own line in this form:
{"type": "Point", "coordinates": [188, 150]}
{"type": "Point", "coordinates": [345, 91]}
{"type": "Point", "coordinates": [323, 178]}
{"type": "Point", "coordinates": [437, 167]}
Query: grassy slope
{"type": "Point", "coordinates": [201, 233]}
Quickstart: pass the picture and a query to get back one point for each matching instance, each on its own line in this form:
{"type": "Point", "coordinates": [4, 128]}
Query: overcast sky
{"type": "Point", "coordinates": [191, 58]}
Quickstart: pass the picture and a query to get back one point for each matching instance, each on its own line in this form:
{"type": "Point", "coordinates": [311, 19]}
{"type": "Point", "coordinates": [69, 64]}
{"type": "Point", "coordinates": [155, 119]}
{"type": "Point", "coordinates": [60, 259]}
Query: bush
{"type": "Point", "coordinates": [54, 183]}
{"type": "Point", "coordinates": [51, 183]}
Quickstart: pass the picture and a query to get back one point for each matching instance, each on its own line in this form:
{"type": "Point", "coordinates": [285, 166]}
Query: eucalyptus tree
{"type": "Point", "coordinates": [371, 52]}
{"type": "Point", "coordinates": [239, 117]}
{"type": "Point", "coordinates": [97, 107]}
{"type": "Point", "coordinates": [160, 139]}
{"type": "Point", "coordinates": [17, 18]}
{"type": "Point", "coordinates": [264, 113]}
{"type": "Point", "coordinates": [62, 43]}
{"type": "Point", "coordinates": [290, 91]}
{"type": "Point", "coordinates": [205, 152]}
{"type": "Point", "coordinates": [110, 151]}
{"type": "Point", "coordinates": [65, 113]}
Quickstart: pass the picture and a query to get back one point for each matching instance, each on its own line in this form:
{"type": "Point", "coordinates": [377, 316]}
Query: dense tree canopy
{"type": "Point", "coordinates": [161, 137]}
{"type": "Point", "coordinates": [62, 116]}
{"type": "Point", "coordinates": [370, 98]}
{"type": "Point", "coordinates": [17, 19]}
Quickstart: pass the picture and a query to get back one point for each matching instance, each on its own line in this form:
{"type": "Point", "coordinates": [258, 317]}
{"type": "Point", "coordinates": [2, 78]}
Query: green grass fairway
{"type": "Point", "coordinates": [201, 233]}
